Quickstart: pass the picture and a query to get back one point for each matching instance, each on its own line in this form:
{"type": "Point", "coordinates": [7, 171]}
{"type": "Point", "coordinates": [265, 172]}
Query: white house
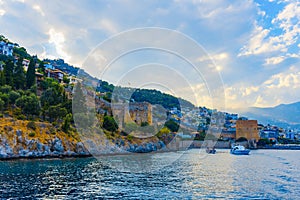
{"type": "Point", "coordinates": [25, 63]}
{"type": "Point", "coordinates": [6, 48]}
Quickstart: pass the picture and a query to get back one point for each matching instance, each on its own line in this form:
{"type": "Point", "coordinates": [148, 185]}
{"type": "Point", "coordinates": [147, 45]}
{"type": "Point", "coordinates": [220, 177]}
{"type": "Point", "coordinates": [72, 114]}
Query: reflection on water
{"type": "Point", "coordinates": [264, 174]}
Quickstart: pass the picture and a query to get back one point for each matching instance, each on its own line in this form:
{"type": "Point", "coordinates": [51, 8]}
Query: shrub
{"type": "Point", "coordinates": [52, 130]}
{"type": "Point", "coordinates": [110, 124]}
{"type": "Point", "coordinates": [31, 125]}
{"type": "Point", "coordinates": [173, 126]}
{"type": "Point", "coordinates": [144, 124]}
{"type": "Point", "coordinates": [31, 134]}
{"type": "Point", "coordinates": [21, 117]}
{"type": "Point", "coordinates": [130, 137]}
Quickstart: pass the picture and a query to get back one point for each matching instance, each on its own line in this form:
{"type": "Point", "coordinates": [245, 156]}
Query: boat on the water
{"type": "Point", "coordinates": [239, 150]}
{"type": "Point", "coordinates": [210, 150]}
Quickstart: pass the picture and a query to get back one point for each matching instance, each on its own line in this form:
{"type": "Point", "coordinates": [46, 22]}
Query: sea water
{"type": "Point", "coordinates": [191, 174]}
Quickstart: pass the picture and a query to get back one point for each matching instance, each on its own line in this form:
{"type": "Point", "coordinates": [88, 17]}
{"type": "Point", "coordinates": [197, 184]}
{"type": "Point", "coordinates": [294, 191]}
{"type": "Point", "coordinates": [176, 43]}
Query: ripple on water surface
{"type": "Point", "coordinates": [263, 174]}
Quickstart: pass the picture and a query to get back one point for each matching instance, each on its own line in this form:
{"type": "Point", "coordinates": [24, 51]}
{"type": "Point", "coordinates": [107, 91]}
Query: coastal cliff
{"type": "Point", "coordinates": [27, 139]}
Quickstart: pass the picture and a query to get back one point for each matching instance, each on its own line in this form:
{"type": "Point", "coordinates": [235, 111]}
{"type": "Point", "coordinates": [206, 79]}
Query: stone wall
{"type": "Point", "coordinates": [133, 112]}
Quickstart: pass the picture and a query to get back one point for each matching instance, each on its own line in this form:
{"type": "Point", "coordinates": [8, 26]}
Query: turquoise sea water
{"type": "Point", "coordinates": [265, 174]}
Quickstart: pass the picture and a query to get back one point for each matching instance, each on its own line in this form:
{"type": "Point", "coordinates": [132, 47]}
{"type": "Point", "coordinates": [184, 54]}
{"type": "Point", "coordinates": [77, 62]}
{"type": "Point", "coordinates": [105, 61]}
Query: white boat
{"type": "Point", "coordinates": [239, 150]}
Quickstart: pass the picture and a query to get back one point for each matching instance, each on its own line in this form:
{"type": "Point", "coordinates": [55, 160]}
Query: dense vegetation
{"type": "Point", "coordinates": [18, 92]}
{"type": "Point", "coordinates": [144, 95]}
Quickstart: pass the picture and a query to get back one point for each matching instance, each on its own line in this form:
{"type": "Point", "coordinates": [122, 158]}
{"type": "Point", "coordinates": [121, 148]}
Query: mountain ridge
{"type": "Point", "coordinates": [286, 115]}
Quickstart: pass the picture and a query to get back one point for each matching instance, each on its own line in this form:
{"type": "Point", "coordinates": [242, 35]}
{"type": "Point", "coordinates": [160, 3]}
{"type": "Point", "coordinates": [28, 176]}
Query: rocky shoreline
{"type": "Point", "coordinates": [23, 147]}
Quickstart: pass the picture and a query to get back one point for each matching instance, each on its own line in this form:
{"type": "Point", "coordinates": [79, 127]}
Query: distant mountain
{"type": "Point", "coordinates": [283, 115]}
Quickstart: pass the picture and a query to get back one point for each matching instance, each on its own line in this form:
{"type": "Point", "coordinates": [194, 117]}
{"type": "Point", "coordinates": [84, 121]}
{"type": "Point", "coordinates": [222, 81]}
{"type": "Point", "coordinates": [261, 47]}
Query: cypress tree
{"type": "Point", "coordinates": [19, 75]}
{"type": "Point", "coordinates": [8, 73]}
{"type": "Point", "coordinates": [30, 75]}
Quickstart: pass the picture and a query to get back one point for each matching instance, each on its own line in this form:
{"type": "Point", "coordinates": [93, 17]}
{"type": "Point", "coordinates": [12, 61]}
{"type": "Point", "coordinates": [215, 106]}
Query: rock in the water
{"type": "Point", "coordinates": [57, 145]}
{"type": "Point", "coordinates": [3, 153]}
{"type": "Point", "coordinates": [80, 149]}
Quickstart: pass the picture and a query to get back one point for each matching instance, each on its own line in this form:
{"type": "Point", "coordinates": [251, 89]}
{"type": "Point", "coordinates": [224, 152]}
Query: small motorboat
{"type": "Point", "coordinates": [210, 150]}
{"type": "Point", "coordinates": [239, 150]}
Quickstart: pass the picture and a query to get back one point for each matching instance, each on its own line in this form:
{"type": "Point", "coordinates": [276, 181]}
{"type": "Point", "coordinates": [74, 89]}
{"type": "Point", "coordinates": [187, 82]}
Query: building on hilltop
{"type": "Point", "coordinates": [136, 112]}
{"type": "Point", "coordinates": [6, 48]}
{"type": "Point", "coordinates": [247, 129]}
{"type": "Point", "coordinates": [25, 63]}
{"type": "Point", "coordinates": [56, 74]}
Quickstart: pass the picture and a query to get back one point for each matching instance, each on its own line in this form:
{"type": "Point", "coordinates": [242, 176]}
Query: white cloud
{"type": "Point", "coordinates": [274, 60]}
{"type": "Point", "coordinates": [38, 9]}
{"type": "Point", "coordinates": [257, 43]}
{"type": "Point", "coordinates": [2, 12]}
{"type": "Point", "coordinates": [214, 57]}
{"type": "Point", "coordinates": [276, 89]}
{"type": "Point", "coordinates": [289, 79]}
{"type": "Point", "coordinates": [219, 60]}
{"type": "Point", "coordinates": [262, 41]}
{"type": "Point", "coordinates": [260, 102]}
{"type": "Point", "coordinates": [58, 40]}
{"type": "Point", "coordinates": [249, 90]}
{"type": "Point", "coordinates": [22, 1]}
{"type": "Point", "coordinates": [108, 26]}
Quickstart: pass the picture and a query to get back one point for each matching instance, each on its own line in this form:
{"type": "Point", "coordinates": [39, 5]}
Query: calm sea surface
{"type": "Point", "coordinates": [265, 174]}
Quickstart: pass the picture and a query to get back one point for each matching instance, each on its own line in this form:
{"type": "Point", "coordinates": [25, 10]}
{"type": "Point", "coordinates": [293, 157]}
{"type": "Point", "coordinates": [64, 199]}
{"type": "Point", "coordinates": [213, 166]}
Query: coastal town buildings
{"type": "Point", "coordinates": [269, 132]}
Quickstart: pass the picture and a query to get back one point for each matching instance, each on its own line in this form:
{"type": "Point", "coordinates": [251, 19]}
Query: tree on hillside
{"type": "Point", "coordinates": [5, 89]}
{"type": "Point", "coordinates": [29, 104]}
{"type": "Point", "coordinates": [21, 51]}
{"type": "Point", "coordinates": [9, 72]}
{"type": "Point", "coordinates": [41, 68]}
{"type": "Point", "coordinates": [30, 75]}
{"type": "Point", "coordinates": [67, 123]}
{"type": "Point", "coordinates": [13, 96]}
{"type": "Point", "coordinates": [5, 98]}
{"type": "Point", "coordinates": [56, 112]}
{"type": "Point", "coordinates": [19, 75]}
{"type": "Point", "coordinates": [2, 78]}
{"type": "Point", "coordinates": [51, 97]}
{"type": "Point", "coordinates": [2, 103]}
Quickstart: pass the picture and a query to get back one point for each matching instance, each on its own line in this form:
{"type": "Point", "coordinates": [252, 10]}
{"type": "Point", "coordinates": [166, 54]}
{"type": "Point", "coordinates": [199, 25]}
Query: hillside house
{"type": "Point", "coordinates": [6, 48]}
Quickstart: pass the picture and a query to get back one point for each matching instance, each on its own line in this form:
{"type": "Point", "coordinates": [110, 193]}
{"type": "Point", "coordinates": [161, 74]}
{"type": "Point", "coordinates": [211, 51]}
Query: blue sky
{"type": "Point", "coordinates": [254, 45]}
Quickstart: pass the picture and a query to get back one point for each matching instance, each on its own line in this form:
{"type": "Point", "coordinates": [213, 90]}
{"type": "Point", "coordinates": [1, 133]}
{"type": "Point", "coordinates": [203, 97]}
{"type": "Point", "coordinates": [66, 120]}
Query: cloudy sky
{"type": "Point", "coordinates": [254, 45]}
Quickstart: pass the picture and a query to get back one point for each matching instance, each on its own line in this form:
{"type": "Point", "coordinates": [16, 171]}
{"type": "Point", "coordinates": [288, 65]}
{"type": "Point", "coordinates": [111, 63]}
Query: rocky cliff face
{"type": "Point", "coordinates": [24, 139]}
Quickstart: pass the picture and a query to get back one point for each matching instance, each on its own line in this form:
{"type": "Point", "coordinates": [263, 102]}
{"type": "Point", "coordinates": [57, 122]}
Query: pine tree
{"type": "Point", "coordinates": [19, 75]}
{"type": "Point", "coordinates": [30, 75]}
